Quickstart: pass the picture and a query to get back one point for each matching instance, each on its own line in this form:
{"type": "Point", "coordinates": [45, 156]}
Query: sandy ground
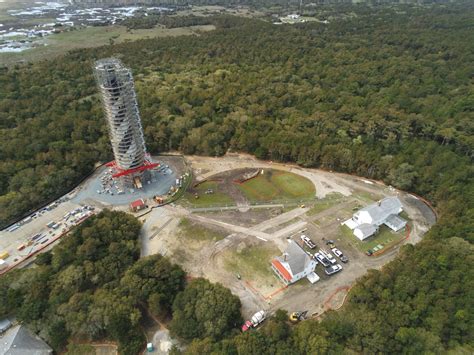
{"type": "Point", "coordinates": [274, 225]}
{"type": "Point", "coordinates": [162, 343]}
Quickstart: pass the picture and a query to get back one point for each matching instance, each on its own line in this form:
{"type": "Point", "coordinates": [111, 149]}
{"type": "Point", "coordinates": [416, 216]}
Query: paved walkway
{"type": "Point", "coordinates": [235, 208]}
{"type": "Point", "coordinates": [280, 219]}
{"type": "Point", "coordinates": [231, 227]}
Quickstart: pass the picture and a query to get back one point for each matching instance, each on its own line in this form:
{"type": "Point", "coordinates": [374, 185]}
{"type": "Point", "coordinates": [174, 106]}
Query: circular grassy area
{"type": "Point", "coordinates": [277, 185]}
{"type": "Point", "coordinates": [199, 196]}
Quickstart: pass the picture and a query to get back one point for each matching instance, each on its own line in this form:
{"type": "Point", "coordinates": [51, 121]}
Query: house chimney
{"type": "Point", "coordinates": [285, 255]}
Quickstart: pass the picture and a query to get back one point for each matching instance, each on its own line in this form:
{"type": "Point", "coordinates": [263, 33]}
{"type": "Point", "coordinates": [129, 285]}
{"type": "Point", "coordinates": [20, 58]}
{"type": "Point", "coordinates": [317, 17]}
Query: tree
{"type": "Point", "coordinates": [403, 176]}
{"type": "Point", "coordinates": [205, 310]}
{"type": "Point", "coordinates": [154, 281]}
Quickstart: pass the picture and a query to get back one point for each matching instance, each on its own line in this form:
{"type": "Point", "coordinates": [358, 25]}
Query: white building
{"type": "Point", "coordinates": [367, 220]}
{"type": "Point", "coordinates": [294, 264]}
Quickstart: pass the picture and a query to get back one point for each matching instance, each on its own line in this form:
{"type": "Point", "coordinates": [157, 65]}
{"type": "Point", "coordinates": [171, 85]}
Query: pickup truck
{"type": "Point", "coordinates": [308, 242]}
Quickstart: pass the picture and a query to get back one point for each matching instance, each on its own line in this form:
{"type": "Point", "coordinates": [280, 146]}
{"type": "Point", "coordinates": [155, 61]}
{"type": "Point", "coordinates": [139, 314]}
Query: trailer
{"type": "Point", "coordinates": [14, 227]}
{"type": "Point", "coordinates": [36, 236]}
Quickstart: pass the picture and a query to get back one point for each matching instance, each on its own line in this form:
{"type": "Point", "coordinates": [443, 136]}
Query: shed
{"type": "Point", "coordinates": [137, 205]}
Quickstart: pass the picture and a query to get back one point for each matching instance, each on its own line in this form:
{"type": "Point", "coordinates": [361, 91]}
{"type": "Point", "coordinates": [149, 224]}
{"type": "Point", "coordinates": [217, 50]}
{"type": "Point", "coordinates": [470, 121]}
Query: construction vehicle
{"type": "Point", "coordinates": [137, 182]}
{"type": "Point", "coordinates": [298, 316]}
{"type": "Point", "coordinates": [256, 319]}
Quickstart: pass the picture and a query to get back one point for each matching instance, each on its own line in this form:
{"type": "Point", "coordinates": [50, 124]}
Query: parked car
{"type": "Point", "coordinates": [308, 242]}
{"type": "Point", "coordinates": [339, 254]}
{"type": "Point", "coordinates": [328, 256]}
{"type": "Point", "coordinates": [336, 252]}
{"type": "Point", "coordinates": [333, 269]}
{"type": "Point", "coordinates": [325, 262]}
{"type": "Point", "coordinates": [369, 252]}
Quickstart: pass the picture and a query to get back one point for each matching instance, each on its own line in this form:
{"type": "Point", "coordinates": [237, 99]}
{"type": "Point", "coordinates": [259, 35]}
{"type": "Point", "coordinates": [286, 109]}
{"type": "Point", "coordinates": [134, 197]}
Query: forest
{"type": "Point", "coordinates": [390, 98]}
{"type": "Point", "coordinates": [385, 93]}
{"type": "Point", "coordinates": [93, 286]}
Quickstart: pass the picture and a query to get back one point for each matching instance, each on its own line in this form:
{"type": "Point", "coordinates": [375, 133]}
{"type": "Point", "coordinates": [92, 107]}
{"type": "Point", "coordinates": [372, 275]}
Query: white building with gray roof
{"type": "Point", "coordinates": [294, 264]}
{"type": "Point", "coordinates": [367, 220]}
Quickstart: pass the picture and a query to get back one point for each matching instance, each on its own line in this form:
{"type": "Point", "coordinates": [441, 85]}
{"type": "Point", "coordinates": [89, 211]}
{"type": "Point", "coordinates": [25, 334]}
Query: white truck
{"type": "Point", "coordinates": [308, 242]}
{"type": "Point", "coordinates": [256, 319]}
{"type": "Point", "coordinates": [328, 256]}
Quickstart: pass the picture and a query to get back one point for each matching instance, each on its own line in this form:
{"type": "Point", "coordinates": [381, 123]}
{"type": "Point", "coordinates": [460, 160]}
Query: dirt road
{"type": "Point", "coordinates": [208, 258]}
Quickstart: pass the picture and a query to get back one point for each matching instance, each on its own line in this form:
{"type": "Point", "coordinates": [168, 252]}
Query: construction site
{"type": "Point", "coordinates": [277, 235]}
{"type": "Point", "coordinates": [239, 214]}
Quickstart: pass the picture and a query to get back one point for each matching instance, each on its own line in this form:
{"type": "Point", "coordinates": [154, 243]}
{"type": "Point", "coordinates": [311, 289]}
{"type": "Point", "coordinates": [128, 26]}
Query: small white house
{"type": "Point", "coordinates": [367, 220]}
{"type": "Point", "coordinates": [294, 264]}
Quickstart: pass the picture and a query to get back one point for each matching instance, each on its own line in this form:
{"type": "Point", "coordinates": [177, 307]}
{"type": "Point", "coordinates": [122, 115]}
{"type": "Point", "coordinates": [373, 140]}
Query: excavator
{"type": "Point", "coordinates": [298, 316]}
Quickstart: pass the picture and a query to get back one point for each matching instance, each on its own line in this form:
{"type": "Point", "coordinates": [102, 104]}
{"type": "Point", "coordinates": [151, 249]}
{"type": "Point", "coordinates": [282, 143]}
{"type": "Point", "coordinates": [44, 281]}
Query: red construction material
{"type": "Point", "coordinates": [147, 165]}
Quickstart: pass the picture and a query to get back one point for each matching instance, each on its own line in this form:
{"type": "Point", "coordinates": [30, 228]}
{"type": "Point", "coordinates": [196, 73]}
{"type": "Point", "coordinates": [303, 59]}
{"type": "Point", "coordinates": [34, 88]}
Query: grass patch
{"type": "Point", "coordinates": [193, 231]}
{"type": "Point", "coordinates": [329, 201]}
{"type": "Point", "coordinates": [94, 37]}
{"type": "Point", "coordinates": [384, 236]}
{"type": "Point", "coordinates": [277, 185]}
{"type": "Point", "coordinates": [217, 198]}
{"type": "Point", "coordinates": [252, 261]}
{"type": "Point", "coordinates": [80, 349]}
{"type": "Point", "coordinates": [366, 197]}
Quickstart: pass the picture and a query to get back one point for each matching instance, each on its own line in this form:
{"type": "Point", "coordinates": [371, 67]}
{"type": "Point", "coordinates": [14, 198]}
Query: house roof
{"type": "Point", "coordinates": [282, 269]}
{"type": "Point", "coordinates": [296, 259]}
{"type": "Point", "coordinates": [395, 222]}
{"type": "Point", "coordinates": [367, 230]}
{"type": "Point", "coordinates": [137, 203]}
{"type": "Point", "coordinates": [19, 341]}
{"type": "Point", "coordinates": [379, 211]}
